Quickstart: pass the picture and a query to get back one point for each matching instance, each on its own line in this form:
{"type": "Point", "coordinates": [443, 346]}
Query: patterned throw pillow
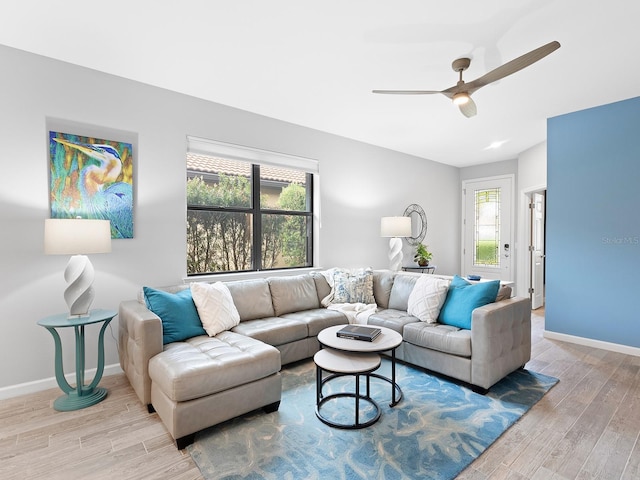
{"type": "Point", "coordinates": [353, 286]}
{"type": "Point", "coordinates": [215, 307]}
{"type": "Point", "coordinates": [427, 297]}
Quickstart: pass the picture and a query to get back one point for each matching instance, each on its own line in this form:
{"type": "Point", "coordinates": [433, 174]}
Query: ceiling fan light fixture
{"type": "Point", "coordinates": [460, 93]}
{"type": "Point", "coordinates": [461, 98]}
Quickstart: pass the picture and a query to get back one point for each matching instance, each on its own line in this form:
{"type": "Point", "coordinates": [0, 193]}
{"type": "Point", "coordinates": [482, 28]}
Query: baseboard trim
{"type": "Point", "coordinates": [47, 383]}
{"type": "Point", "coordinates": [589, 342]}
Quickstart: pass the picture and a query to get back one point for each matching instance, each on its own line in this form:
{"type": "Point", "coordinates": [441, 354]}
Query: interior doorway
{"type": "Point", "coordinates": [536, 247]}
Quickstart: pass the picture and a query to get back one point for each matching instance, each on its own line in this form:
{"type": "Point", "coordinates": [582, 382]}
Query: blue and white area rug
{"type": "Point", "coordinates": [435, 432]}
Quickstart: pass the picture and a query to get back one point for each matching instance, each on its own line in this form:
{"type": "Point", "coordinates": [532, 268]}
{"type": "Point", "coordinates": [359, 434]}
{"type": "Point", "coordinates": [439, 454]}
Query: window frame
{"type": "Point", "coordinates": [259, 158]}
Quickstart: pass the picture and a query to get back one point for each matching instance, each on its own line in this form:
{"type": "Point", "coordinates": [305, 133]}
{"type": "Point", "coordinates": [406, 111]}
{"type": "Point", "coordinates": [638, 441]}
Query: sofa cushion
{"type": "Point", "coordinates": [353, 286]}
{"type": "Point", "coordinates": [205, 365]}
{"type": "Point", "coordinates": [393, 319]}
{"type": "Point", "coordinates": [168, 288]}
{"type": "Point", "coordinates": [215, 307]}
{"type": "Point", "coordinates": [435, 336]}
{"type": "Point", "coordinates": [273, 330]}
{"type": "Point", "coordinates": [463, 297]}
{"type": "Point", "coordinates": [252, 298]}
{"type": "Point", "coordinates": [322, 286]}
{"type": "Point", "coordinates": [427, 297]}
{"type": "Point", "coordinates": [177, 312]}
{"type": "Point", "coordinates": [382, 285]}
{"type": "Point", "coordinates": [293, 294]}
{"type": "Point", "coordinates": [400, 291]}
{"type": "Point", "coordinates": [318, 319]}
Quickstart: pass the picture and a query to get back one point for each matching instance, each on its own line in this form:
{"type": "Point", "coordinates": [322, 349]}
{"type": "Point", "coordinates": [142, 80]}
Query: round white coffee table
{"type": "Point", "coordinates": [388, 340]}
{"type": "Point", "coordinates": [345, 363]}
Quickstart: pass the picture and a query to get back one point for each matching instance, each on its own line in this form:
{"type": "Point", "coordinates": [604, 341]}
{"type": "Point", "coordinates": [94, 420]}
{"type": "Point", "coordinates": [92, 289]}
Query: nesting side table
{"type": "Point", "coordinates": [345, 363]}
{"type": "Point", "coordinates": [388, 340]}
{"type": "Point", "coordinates": [82, 395]}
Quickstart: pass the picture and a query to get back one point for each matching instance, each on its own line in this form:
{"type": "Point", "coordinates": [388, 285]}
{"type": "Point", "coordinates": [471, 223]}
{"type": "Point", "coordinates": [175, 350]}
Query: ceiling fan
{"type": "Point", "coordinates": [461, 92]}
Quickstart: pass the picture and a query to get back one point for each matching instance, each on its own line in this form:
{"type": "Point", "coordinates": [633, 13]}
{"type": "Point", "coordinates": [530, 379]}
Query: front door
{"type": "Point", "coordinates": [487, 248]}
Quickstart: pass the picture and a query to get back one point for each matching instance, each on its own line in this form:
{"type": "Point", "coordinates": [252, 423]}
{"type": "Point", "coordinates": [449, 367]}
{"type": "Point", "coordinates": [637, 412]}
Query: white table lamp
{"type": "Point", "coordinates": [395, 227]}
{"type": "Point", "coordinates": [77, 237]}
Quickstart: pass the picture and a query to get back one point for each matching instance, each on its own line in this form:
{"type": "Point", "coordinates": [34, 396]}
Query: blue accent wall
{"type": "Point", "coordinates": [593, 223]}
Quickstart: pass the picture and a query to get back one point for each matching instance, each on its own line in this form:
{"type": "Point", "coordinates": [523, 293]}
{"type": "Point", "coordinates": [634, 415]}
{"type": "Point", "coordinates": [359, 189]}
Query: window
{"type": "Point", "coordinates": [487, 232]}
{"type": "Point", "coordinates": [247, 209]}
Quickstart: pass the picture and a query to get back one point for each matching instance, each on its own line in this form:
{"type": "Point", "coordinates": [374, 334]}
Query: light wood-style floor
{"type": "Point", "coordinates": [586, 427]}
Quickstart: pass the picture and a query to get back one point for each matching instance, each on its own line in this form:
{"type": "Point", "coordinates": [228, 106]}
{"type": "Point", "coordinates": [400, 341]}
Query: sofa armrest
{"type": "Point", "coordinates": [139, 339]}
{"type": "Point", "coordinates": [500, 340]}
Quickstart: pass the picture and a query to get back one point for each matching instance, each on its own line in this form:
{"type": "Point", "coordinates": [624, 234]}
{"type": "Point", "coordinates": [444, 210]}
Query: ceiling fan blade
{"type": "Point", "coordinates": [513, 66]}
{"type": "Point", "coordinates": [407, 92]}
{"type": "Point", "coordinates": [468, 109]}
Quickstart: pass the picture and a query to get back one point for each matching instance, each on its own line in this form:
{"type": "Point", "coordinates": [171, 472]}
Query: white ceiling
{"type": "Point", "coordinates": [315, 62]}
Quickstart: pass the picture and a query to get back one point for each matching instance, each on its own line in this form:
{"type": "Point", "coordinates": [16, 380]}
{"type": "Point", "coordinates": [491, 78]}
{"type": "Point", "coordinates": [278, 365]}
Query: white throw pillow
{"type": "Point", "coordinates": [215, 307]}
{"type": "Point", "coordinates": [427, 297]}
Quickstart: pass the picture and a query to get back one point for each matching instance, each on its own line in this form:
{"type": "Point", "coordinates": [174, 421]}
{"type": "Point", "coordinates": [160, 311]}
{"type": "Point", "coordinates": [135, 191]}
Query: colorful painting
{"type": "Point", "coordinates": [92, 178]}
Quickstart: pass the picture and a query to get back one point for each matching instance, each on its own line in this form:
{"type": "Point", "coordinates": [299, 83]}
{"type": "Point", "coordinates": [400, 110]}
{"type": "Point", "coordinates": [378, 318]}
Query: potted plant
{"type": "Point", "coordinates": [422, 255]}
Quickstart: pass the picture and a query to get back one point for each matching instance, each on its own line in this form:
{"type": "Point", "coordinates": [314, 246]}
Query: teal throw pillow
{"type": "Point", "coordinates": [463, 297]}
{"type": "Point", "coordinates": [178, 313]}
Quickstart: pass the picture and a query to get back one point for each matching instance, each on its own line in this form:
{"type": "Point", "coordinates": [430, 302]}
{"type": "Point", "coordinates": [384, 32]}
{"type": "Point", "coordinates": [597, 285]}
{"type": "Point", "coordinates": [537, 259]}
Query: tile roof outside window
{"type": "Point", "coordinates": [210, 165]}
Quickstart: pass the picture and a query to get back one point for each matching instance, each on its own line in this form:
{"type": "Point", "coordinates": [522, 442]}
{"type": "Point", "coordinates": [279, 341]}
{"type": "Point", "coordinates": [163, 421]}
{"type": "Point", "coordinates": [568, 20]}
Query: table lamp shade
{"type": "Point", "coordinates": [77, 237]}
{"type": "Point", "coordinates": [395, 227]}
{"type": "Point", "coordinates": [64, 236]}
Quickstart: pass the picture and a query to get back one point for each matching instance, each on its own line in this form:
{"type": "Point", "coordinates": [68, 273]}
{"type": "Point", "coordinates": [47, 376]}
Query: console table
{"type": "Point", "coordinates": [428, 269]}
{"type": "Point", "coordinates": [82, 395]}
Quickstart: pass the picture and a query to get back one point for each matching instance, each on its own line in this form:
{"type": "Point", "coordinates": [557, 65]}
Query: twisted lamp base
{"type": "Point", "coordinates": [79, 293]}
{"type": "Point", "coordinates": [395, 253]}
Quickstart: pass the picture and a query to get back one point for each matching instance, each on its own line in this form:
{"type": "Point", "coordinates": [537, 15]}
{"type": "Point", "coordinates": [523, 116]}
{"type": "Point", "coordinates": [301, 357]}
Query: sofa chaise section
{"type": "Point", "coordinates": [206, 380]}
{"type": "Point", "coordinates": [202, 381]}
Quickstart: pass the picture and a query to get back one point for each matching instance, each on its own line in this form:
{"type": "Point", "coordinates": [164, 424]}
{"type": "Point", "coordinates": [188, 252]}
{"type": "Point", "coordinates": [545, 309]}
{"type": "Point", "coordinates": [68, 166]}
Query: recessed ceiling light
{"type": "Point", "coordinates": [496, 144]}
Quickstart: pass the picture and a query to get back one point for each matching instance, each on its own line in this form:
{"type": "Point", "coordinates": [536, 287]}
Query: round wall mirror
{"type": "Point", "coordinates": [418, 224]}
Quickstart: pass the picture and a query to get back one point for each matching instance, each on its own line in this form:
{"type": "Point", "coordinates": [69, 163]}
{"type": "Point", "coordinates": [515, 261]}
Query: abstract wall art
{"type": "Point", "coordinates": [92, 178]}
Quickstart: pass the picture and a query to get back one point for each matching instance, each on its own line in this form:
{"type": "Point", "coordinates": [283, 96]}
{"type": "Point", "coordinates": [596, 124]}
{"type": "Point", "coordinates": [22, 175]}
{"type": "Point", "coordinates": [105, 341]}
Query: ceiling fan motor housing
{"type": "Point", "coordinates": [461, 64]}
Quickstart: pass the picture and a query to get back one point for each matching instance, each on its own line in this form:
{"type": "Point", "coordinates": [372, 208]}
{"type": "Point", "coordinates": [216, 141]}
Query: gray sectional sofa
{"type": "Point", "coordinates": [202, 381]}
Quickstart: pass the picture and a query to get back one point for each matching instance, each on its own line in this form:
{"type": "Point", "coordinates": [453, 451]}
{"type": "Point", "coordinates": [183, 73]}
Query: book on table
{"type": "Point", "coordinates": [359, 332]}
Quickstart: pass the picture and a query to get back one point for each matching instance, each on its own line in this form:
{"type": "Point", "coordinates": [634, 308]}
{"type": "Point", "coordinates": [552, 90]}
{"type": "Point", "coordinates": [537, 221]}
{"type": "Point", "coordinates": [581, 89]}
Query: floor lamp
{"type": "Point", "coordinates": [77, 237]}
{"type": "Point", "coordinates": [395, 228]}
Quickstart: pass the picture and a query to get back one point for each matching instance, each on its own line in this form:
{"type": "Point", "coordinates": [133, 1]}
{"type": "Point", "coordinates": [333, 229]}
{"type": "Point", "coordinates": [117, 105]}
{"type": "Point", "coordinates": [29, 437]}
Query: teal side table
{"type": "Point", "coordinates": [82, 395]}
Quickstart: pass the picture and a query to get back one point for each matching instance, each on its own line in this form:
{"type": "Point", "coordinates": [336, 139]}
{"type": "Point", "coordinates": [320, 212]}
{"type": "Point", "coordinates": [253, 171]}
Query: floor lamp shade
{"type": "Point", "coordinates": [395, 227]}
{"type": "Point", "coordinates": [77, 237]}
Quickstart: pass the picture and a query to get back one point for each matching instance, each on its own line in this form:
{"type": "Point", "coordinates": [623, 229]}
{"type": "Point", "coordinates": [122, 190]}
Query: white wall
{"type": "Point", "coordinates": [495, 169]}
{"type": "Point", "coordinates": [359, 184]}
{"type": "Point", "coordinates": [532, 177]}
{"type": "Point", "coordinates": [532, 167]}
